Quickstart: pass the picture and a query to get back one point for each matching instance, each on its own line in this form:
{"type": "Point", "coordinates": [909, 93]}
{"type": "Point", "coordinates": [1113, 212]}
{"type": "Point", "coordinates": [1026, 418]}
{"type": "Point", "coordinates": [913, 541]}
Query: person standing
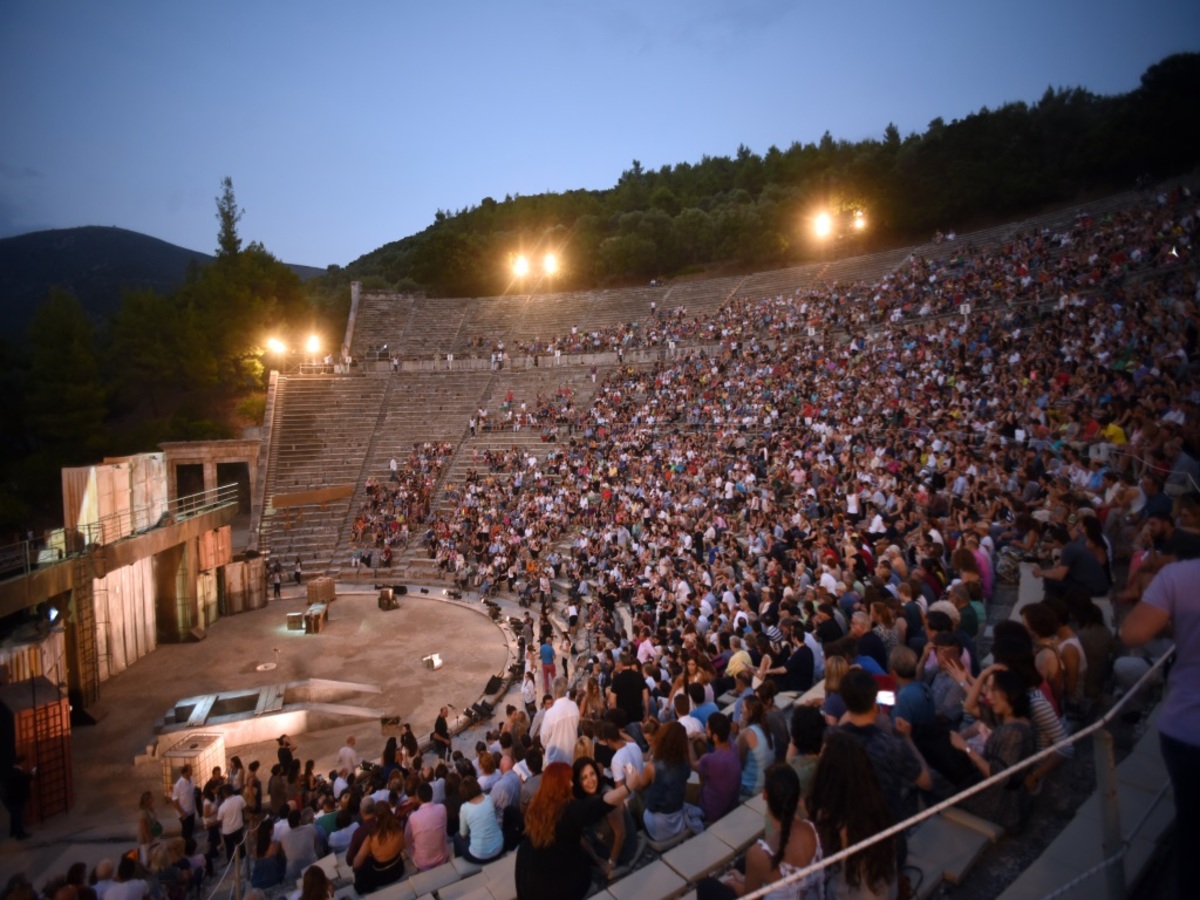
{"type": "Point", "coordinates": [630, 694]}
{"type": "Point", "coordinates": [441, 734]}
{"type": "Point", "coordinates": [149, 829]}
{"type": "Point", "coordinates": [560, 725]}
{"type": "Point", "coordinates": [17, 791]}
{"type": "Point", "coordinates": [529, 694]}
{"type": "Point", "coordinates": [183, 796]}
{"type": "Point", "coordinates": [286, 752]}
{"type": "Point", "coordinates": [230, 815]}
{"type": "Point", "coordinates": [1172, 599]}
{"type": "Point", "coordinates": [546, 652]}
{"type": "Point", "coordinates": [347, 757]}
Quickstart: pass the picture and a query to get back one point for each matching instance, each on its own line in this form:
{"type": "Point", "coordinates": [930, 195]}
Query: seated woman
{"type": "Point", "coordinates": [1006, 743]}
{"type": "Point", "coordinates": [551, 862]}
{"type": "Point", "coordinates": [611, 842]}
{"type": "Point", "coordinates": [754, 746]}
{"type": "Point", "coordinates": [170, 865]}
{"type": "Point", "coordinates": [488, 775]}
{"type": "Point", "coordinates": [315, 885]}
{"type": "Point", "coordinates": [793, 846]}
{"type": "Point", "coordinates": [832, 706]}
{"type": "Point", "coordinates": [479, 839]}
{"type": "Point", "coordinates": [847, 806]}
{"type": "Point", "coordinates": [268, 858]}
{"type": "Point", "coordinates": [380, 859]}
{"type": "Point", "coordinates": [696, 670]}
{"type": "Point", "coordinates": [666, 778]}
{"type": "Point", "coordinates": [807, 732]}
{"type": "Point", "coordinates": [591, 704]}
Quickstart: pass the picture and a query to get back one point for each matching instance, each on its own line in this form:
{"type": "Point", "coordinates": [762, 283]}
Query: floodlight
{"type": "Point", "coordinates": [521, 266]}
{"type": "Point", "coordinates": [275, 345]}
{"type": "Point", "coordinates": [550, 264]}
{"type": "Point", "coordinates": [313, 344]}
{"type": "Point", "coordinates": [860, 221]}
{"type": "Point", "coordinates": [822, 225]}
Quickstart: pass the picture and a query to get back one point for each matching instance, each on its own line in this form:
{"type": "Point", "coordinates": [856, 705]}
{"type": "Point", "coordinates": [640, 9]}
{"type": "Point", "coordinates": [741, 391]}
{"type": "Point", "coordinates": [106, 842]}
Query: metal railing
{"type": "Point", "coordinates": [1115, 845]}
{"type": "Point", "coordinates": [23, 557]}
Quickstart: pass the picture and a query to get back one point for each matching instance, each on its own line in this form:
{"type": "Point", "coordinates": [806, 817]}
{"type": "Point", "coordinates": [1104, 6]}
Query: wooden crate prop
{"type": "Point", "coordinates": [35, 722]}
{"type": "Point", "coordinates": [321, 590]}
{"type": "Point", "coordinates": [203, 750]}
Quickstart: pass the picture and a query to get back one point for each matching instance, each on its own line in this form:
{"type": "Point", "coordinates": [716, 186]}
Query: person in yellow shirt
{"type": "Point", "coordinates": [1113, 433]}
{"type": "Point", "coordinates": [740, 659]}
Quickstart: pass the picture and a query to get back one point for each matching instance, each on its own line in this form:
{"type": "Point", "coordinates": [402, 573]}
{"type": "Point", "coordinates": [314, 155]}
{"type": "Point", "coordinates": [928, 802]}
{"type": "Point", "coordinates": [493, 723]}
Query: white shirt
{"type": "Point", "coordinates": [630, 754]}
{"type": "Point", "coordinates": [185, 795]}
{"type": "Point", "coordinates": [229, 814]}
{"type": "Point", "coordinates": [645, 652]}
{"type": "Point", "coordinates": [347, 759]}
{"type": "Point", "coordinates": [560, 729]}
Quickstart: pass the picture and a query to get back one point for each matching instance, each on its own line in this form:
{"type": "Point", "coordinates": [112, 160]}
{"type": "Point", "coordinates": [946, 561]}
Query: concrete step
{"type": "Point", "coordinates": [944, 845]}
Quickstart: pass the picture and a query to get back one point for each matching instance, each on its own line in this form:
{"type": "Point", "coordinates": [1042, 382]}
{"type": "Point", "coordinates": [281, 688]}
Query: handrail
{"type": "Point", "coordinates": [998, 778]}
{"type": "Point", "coordinates": [123, 524]}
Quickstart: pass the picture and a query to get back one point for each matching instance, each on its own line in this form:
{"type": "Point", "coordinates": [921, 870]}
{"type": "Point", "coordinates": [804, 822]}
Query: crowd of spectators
{"type": "Point", "coordinates": [385, 519]}
{"type": "Point", "coordinates": [764, 512]}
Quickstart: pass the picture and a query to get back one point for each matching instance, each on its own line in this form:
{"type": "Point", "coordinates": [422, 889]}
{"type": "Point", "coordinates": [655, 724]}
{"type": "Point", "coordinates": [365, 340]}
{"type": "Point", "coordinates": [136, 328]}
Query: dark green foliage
{"type": "Point", "coordinates": [183, 365]}
{"type": "Point", "coordinates": [65, 398]}
{"type": "Point", "coordinates": [750, 210]}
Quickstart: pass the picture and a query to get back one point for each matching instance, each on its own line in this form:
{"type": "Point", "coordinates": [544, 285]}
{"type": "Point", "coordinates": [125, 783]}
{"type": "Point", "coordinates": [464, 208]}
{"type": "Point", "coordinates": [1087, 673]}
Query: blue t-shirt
{"type": "Point", "coordinates": [703, 711]}
{"type": "Point", "coordinates": [870, 665]}
{"type": "Point", "coordinates": [914, 704]}
{"type": "Point", "coordinates": [477, 822]}
{"type": "Point", "coordinates": [547, 654]}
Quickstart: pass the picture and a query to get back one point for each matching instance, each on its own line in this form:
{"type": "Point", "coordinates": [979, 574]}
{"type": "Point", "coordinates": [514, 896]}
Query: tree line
{"type": "Point", "coordinates": [184, 365]}
{"type": "Point", "coordinates": [751, 210]}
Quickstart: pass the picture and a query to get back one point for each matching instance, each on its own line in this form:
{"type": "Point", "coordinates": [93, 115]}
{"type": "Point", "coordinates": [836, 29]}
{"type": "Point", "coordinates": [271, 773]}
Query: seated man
{"type": "Point", "coordinates": [948, 693]}
{"type": "Point", "coordinates": [895, 758]}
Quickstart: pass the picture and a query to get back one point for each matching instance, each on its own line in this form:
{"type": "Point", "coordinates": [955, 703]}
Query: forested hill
{"type": "Point", "coordinates": [755, 210]}
{"type": "Point", "coordinates": [94, 263]}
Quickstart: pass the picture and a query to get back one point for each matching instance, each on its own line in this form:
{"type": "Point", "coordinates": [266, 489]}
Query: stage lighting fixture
{"type": "Point", "coordinates": [521, 266]}
{"type": "Point", "coordinates": [822, 225]}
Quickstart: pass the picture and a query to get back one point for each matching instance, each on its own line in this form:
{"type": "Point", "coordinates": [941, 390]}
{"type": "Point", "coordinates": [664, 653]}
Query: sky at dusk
{"type": "Point", "coordinates": [348, 125]}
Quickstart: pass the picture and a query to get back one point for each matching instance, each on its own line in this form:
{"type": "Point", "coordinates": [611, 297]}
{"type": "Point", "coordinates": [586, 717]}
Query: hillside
{"type": "Point", "coordinates": [95, 263]}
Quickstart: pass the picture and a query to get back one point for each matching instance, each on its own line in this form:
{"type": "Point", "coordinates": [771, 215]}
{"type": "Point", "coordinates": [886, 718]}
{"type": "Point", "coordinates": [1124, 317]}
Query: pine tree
{"type": "Point", "coordinates": [228, 214]}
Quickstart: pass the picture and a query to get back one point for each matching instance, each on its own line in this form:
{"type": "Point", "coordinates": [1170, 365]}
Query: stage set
{"type": "Point", "coordinates": [152, 645]}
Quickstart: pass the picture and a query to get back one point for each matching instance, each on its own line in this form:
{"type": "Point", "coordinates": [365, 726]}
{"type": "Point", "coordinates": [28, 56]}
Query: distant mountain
{"type": "Point", "coordinates": [95, 263]}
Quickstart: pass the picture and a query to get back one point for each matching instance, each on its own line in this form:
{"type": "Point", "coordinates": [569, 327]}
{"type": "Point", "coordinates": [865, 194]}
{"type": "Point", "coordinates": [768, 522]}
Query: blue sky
{"type": "Point", "coordinates": [348, 125]}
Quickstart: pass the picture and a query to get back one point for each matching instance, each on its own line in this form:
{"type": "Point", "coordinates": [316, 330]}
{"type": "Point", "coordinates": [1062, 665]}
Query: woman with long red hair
{"type": "Point", "coordinates": [551, 862]}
